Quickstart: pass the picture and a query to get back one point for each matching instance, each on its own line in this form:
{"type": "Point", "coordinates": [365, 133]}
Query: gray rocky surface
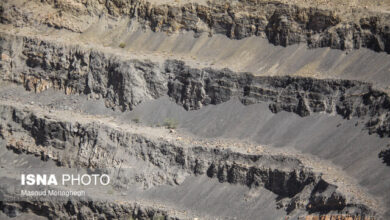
{"type": "Point", "coordinates": [99, 146]}
{"type": "Point", "coordinates": [122, 83]}
{"type": "Point", "coordinates": [89, 85]}
{"type": "Point", "coordinates": [280, 23]}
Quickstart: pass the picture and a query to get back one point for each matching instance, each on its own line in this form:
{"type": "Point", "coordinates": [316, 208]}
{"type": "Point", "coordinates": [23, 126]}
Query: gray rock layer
{"type": "Point", "coordinates": [123, 83]}
{"type": "Point", "coordinates": [281, 24]}
{"type": "Point", "coordinates": [100, 146]}
{"type": "Point", "coordinates": [84, 210]}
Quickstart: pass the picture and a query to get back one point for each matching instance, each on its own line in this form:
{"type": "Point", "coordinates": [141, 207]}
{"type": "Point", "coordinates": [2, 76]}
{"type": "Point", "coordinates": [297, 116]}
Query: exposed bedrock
{"type": "Point", "coordinates": [39, 51]}
{"type": "Point", "coordinates": [281, 24]}
{"type": "Point", "coordinates": [76, 209]}
{"type": "Point", "coordinates": [385, 156]}
{"type": "Point", "coordinates": [98, 145]}
{"type": "Point", "coordinates": [124, 83]}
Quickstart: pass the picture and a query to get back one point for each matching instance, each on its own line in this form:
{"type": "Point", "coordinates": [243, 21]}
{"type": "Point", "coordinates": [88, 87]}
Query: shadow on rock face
{"type": "Point", "coordinates": [385, 156]}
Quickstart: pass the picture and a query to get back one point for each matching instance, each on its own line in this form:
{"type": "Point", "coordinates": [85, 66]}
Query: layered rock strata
{"type": "Point", "coordinates": [122, 83]}
{"type": "Point", "coordinates": [282, 24]}
{"type": "Point", "coordinates": [97, 144]}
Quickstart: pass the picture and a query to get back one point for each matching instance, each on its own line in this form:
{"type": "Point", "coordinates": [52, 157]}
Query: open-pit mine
{"type": "Point", "coordinates": [195, 109]}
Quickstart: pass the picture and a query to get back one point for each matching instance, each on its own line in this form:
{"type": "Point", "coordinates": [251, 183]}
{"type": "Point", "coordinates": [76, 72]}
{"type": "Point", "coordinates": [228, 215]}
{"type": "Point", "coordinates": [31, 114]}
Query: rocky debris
{"type": "Point", "coordinates": [282, 24]}
{"type": "Point", "coordinates": [337, 217]}
{"type": "Point", "coordinates": [98, 145]}
{"type": "Point", "coordinates": [79, 209]}
{"type": "Point", "coordinates": [39, 65]}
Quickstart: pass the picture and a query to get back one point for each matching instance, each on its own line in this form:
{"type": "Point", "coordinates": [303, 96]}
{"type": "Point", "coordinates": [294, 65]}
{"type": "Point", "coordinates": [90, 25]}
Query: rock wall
{"type": "Point", "coordinates": [124, 83]}
{"type": "Point", "coordinates": [101, 146]}
{"type": "Point", "coordinates": [40, 64]}
{"type": "Point", "coordinates": [74, 209]}
{"type": "Point", "coordinates": [282, 24]}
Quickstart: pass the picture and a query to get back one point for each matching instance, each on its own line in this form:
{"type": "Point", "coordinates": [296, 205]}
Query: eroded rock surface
{"type": "Point", "coordinates": [97, 145]}
{"type": "Point", "coordinates": [39, 65]}
{"type": "Point", "coordinates": [282, 24]}
{"type": "Point", "coordinates": [40, 51]}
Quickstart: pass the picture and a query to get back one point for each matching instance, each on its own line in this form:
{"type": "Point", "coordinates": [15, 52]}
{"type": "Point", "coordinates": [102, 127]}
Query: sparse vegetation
{"type": "Point", "coordinates": [170, 123]}
{"type": "Point", "coordinates": [122, 45]}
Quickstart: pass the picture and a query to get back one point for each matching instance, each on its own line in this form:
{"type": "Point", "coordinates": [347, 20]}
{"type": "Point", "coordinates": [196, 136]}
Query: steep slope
{"type": "Point", "coordinates": [197, 109]}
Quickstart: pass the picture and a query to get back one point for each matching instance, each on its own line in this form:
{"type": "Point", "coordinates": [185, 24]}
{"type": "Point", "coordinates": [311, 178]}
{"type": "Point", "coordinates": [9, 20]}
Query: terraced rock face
{"type": "Point", "coordinates": [280, 23]}
{"type": "Point", "coordinates": [124, 84]}
{"type": "Point", "coordinates": [182, 138]}
{"type": "Point", "coordinates": [97, 143]}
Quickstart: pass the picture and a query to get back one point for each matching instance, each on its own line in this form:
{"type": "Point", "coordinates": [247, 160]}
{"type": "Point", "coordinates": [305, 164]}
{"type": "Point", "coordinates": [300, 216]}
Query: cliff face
{"type": "Point", "coordinates": [282, 24]}
{"type": "Point", "coordinates": [123, 84]}
{"type": "Point", "coordinates": [123, 79]}
{"type": "Point", "coordinates": [193, 88]}
{"type": "Point", "coordinates": [85, 210]}
{"type": "Point", "coordinates": [52, 137]}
